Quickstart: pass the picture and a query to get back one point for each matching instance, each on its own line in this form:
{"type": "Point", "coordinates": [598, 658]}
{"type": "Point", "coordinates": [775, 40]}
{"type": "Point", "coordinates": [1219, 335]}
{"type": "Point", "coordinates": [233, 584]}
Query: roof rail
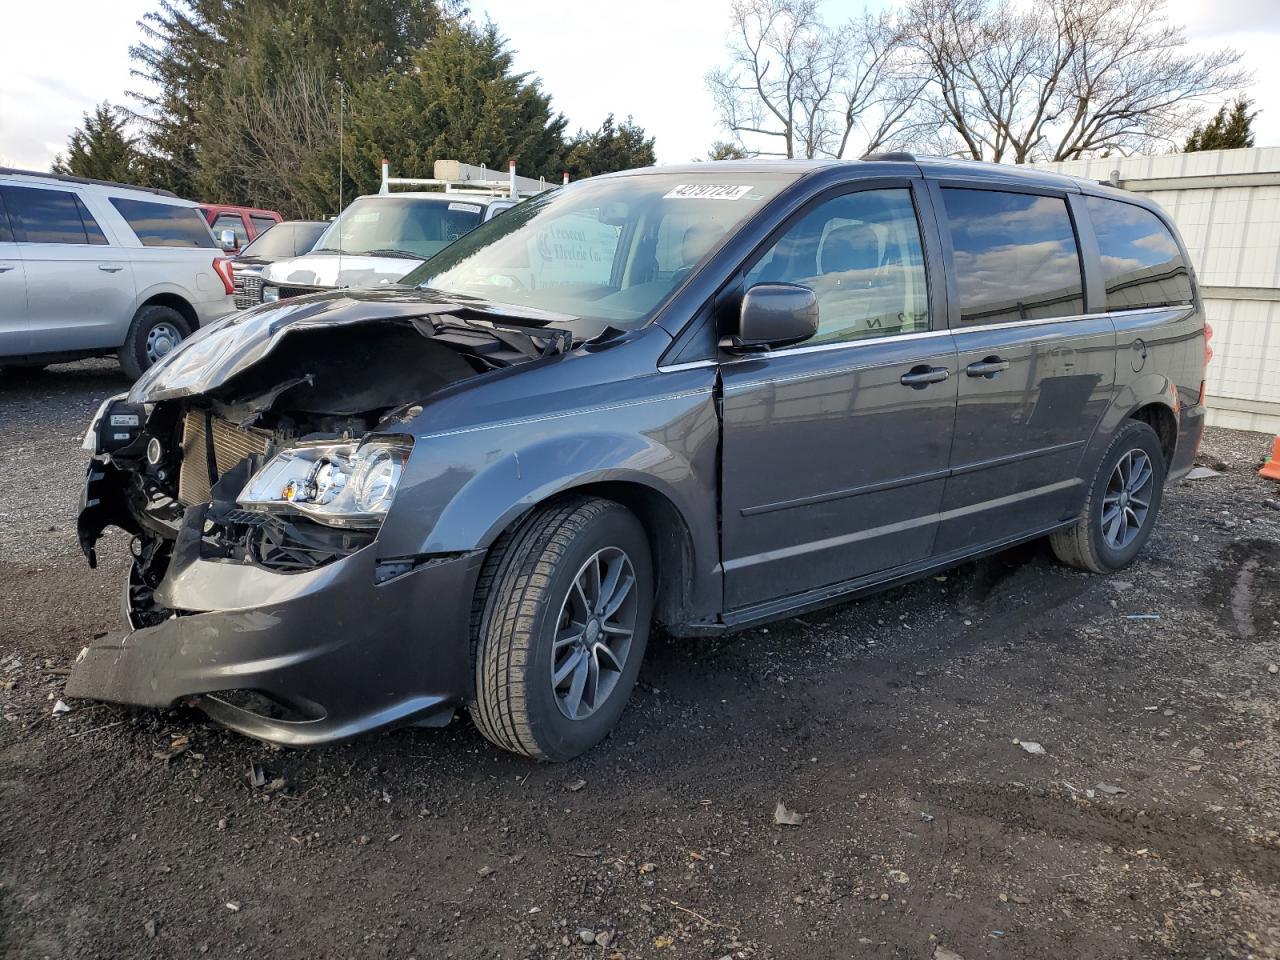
{"type": "Point", "coordinates": [899, 155]}
{"type": "Point", "coordinates": [67, 178]}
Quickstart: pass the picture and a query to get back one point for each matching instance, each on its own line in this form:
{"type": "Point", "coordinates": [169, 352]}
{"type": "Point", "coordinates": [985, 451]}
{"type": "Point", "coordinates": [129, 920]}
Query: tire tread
{"type": "Point", "coordinates": [513, 588]}
{"type": "Point", "coordinates": [1076, 546]}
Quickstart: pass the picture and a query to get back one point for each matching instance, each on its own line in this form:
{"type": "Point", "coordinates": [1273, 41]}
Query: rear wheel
{"type": "Point", "coordinates": [1121, 507]}
{"type": "Point", "coordinates": [561, 623]}
{"type": "Point", "coordinates": [154, 332]}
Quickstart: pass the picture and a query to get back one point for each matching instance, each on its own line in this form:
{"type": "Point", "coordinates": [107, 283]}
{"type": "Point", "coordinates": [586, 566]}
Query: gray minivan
{"type": "Point", "coordinates": [701, 397]}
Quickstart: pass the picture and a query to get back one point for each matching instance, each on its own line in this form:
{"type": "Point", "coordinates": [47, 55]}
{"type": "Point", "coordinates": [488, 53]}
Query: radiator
{"type": "Point", "coordinates": [231, 444]}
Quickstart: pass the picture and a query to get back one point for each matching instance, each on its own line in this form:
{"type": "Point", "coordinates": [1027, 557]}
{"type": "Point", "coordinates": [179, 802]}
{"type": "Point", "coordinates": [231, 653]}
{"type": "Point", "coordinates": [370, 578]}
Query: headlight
{"type": "Point", "coordinates": [341, 484]}
{"type": "Point", "coordinates": [270, 294]}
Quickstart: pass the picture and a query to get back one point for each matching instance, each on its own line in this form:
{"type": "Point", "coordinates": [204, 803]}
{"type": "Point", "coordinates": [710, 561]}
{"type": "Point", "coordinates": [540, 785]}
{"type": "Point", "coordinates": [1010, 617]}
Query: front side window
{"type": "Point", "coordinates": [233, 222]}
{"type": "Point", "coordinates": [611, 249]}
{"type": "Point", "coordinates": [1015, 256]}
{"type": "Point", "coordinates": [410, 227]}
{"type": "Point", "coordinates": [51, 216]}
{"type": "Point", "coordinates": [1141, 263]}
{"type": "Point", "coordinates": [861, 254]}
{"type": "Point", "coordinates": [164, 224]}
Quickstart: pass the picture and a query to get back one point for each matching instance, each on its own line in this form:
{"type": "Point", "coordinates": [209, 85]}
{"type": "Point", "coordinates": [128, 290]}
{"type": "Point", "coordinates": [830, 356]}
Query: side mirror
{"type": "Point", "coordinates": [775, 315]}
{"type": "Point", "coordinates": [227, 240]}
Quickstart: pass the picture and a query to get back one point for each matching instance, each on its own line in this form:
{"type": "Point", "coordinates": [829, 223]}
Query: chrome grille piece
{"type": "Point", "coordinates": [231, 444]}
{"type": "Point", "coordinates": [248, 291]}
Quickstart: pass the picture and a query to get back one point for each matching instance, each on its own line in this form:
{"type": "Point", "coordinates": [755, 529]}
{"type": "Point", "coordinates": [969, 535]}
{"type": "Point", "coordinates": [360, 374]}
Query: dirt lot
{"type": "Point", "coordinates": [892, 724]}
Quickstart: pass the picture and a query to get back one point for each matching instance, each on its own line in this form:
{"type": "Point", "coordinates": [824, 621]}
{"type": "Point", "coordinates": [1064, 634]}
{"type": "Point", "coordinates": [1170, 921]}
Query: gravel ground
{"type": "Point", "coordinates": [1147, 828]}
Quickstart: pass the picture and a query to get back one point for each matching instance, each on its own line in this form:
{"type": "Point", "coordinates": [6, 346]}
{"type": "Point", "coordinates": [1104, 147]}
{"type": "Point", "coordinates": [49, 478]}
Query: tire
{"type": "Point", "coordinates": [136, 354]}
{"type": "Point", "coordinates": [527, 598]}
{"type": "Point", "coordinates": [1094, 545]}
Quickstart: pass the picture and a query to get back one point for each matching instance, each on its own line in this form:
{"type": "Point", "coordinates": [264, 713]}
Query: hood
{"type": "Point", "coordinates": [332, 270]}
{"type": "Point", "coordinates": [225, 348]}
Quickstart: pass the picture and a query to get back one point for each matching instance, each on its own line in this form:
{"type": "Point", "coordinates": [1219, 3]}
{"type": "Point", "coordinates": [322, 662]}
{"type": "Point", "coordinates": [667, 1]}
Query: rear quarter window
{"type": "Point", "coordinates": [1015, 256]}
{"type": "Point", "coordinates": [1142, 265]}
{"type": "Point", "coordinates": [164, 224]}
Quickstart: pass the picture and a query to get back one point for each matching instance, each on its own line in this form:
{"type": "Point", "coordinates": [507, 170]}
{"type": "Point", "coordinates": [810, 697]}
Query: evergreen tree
{"type": "Point", "coordinates": [1227, 130]}
{"type": "Point", "coordinates": [460, 101]}
{"type": "Point", "coordinates": [100, 149]}
{"type": "Point", "coordinates": [727, 150]}
{"type": "Point", "coordinates": [206, 60]}
{"type": "Point", "coordinates": [613, 147]}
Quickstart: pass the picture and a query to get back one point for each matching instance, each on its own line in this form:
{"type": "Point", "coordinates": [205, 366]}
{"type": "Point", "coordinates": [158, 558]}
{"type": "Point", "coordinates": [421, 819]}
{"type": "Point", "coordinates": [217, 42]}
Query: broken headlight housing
{"type": "Point", "coordinates": [339, 484]}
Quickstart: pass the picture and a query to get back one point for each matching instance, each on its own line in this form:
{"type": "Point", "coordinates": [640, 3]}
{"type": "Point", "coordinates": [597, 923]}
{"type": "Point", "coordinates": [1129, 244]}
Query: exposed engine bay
{"type": "Point", "coordinates": [290, 459]}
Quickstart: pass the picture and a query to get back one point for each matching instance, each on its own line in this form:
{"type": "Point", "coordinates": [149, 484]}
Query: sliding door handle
{"type": "Point", "coordinates": [987, 367]}
{"type": "Point", "coordinates": [921, 376]}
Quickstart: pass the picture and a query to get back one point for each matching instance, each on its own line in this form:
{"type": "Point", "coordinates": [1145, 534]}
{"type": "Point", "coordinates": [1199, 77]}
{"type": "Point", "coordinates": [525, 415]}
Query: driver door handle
{"type": "Point", "coordinates": [111, 267]}
{"type": "Point", "coordinates": [921, 376]}
{"type": "Point", "coordinates": [5, 267]}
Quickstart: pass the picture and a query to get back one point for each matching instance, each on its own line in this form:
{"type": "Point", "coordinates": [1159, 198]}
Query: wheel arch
{"type": "Point", "coordinates": [670, 542]}
{"type": "Point", "coordinates": [1160, 418]}
{"type": "Point", "coordinates": [174, 302]}
{"type": "Point", "coordinates": [1151, 399]}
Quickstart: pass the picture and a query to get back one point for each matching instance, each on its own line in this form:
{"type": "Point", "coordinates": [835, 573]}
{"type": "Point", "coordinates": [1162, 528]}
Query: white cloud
{"type": "Point", "coordinates": [63, 56]}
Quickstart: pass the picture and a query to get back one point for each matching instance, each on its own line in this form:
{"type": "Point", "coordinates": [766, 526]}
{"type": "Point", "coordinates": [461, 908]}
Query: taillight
{"type": "Point", "coordinates": [222, 267]}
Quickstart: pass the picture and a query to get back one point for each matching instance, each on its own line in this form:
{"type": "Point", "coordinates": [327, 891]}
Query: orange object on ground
{"type": "Point", "coordinates": [1271, 469]}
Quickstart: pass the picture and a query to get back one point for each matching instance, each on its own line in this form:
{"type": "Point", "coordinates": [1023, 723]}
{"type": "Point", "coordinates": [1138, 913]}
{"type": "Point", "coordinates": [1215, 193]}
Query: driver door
{"type": "Point", "coordinates": [836, 451]}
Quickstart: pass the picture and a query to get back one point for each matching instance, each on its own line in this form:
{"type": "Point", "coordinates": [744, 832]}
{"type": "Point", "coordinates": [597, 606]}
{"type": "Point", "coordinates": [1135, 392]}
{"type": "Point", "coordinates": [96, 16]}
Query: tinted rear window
{"type": "Point", "coordinates": [164, 224]}
{"type": "Point", "coordinates": [51, 216]}
{"type": "Point", "coordinates": [261, 224]}
{"type": "Point", "coordinates": [1141, 263]}
{"type": "Point", "coordinates": [1015, 256]}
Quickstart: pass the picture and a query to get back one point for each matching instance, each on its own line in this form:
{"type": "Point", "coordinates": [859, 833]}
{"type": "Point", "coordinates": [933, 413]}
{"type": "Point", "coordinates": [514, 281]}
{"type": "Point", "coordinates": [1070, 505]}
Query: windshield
{"type": "Point", "coordinates": [389, 226]}
{"type": "Point", "coordinates": [284, 240]}
{"type": "Point", "coordinates": [612, 249]}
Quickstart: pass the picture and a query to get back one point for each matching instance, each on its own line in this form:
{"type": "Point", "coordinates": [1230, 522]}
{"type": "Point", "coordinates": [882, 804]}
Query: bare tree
{"type": "Point", "coordinates": [1065, 79]}
{"type": "Point", "coordinates": [281, 142]}
{"type": "Point", "coordinates": [804, 89]}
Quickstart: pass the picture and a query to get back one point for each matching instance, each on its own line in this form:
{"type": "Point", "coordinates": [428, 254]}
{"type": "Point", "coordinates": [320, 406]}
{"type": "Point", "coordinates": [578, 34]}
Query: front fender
{"type": "Point", "coordinates": [463, 489]}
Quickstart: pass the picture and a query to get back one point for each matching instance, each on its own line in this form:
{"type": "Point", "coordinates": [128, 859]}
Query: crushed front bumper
{"type": "Point", "coordinates": [347, 654]}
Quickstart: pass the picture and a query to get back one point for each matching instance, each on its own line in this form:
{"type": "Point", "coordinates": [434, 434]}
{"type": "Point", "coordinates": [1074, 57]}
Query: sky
{"type": "Point", "coordinates": [647, 60]}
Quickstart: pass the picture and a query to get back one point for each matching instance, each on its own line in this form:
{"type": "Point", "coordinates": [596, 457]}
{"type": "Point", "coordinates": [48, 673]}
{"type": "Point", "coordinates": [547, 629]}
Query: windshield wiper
{"type": "Point", "coordinates": [389, 252]}
{"type": "Point", "coordinates": [326, 250]}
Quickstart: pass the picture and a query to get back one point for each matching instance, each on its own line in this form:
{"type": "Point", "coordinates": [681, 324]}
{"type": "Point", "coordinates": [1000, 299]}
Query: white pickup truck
{"type": "Point", "coordinates": [381, 237]}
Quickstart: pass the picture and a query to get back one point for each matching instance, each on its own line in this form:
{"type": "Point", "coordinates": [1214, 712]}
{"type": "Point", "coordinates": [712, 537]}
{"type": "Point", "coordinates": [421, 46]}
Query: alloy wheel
{"type": "Point", "coordinates": [594, 631]}
{"type": "Point", "coordinates": [1127, 500]}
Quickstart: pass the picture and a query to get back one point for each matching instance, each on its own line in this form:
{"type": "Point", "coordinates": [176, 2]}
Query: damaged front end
{"type": "Point", "coordinates": [254, 468]}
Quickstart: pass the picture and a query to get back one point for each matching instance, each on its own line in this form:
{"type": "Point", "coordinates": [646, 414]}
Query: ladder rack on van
{"type": "Point", "coordinates": [457, 177]}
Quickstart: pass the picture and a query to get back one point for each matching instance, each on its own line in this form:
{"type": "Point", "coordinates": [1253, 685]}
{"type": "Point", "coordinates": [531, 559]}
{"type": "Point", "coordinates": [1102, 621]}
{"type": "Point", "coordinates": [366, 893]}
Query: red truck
{"type": "Point", "coordinates": [245, 222]}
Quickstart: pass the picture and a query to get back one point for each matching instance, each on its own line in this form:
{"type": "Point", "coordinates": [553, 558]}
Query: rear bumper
{"type": "Point", "coordinates": [1190, 432]}
{"type": "Point", "coordinates": [347, 654]}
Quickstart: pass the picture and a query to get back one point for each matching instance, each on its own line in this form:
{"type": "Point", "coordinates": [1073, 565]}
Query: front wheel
{"type": "Point", "coordinates": [561, 622]}
{"type": "Point", "coordinates": [1120, 509]}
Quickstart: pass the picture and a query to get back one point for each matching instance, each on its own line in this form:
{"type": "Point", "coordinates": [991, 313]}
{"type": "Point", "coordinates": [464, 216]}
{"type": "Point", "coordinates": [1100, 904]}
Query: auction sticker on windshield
{"type": "Point", "coordinates": [707, 191]}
